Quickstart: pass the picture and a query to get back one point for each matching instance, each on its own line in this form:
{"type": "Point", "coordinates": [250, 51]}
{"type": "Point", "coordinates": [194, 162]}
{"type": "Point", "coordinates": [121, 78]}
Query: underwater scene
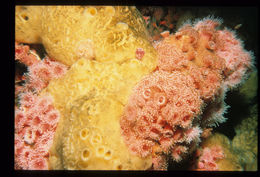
{"type": "Point", "coordinates": [136, 88]}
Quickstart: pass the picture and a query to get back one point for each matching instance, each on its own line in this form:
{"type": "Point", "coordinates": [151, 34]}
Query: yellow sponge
{"type": "Point", "coordinates": [27, 24]}
{"type": "Point", "coordinates": [99, 44]}
{"type": "Point", "coordinates": [105, 34]}
{"type": "Point", "coordinates": [95, 91]}
{"type": "Point", "coordinates": [92, 139]}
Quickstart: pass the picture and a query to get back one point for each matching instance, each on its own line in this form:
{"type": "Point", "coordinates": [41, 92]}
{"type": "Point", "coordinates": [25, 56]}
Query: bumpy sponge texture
{"type": "Point", "coordinates": [88, 77]}
{"type": "Point", "coordinates": [107, 34]}
{"type": "Point", "coordinates": [93, 140]}
{"type": "Point", "coordinates": [27, 24]}
{"type": "Point", "coordinates": [245, 141]}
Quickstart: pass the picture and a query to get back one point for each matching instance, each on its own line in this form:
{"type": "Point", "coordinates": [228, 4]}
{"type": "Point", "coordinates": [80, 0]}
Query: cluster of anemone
{"type": "Point", "coordinates": [236, 58]}
{"type": "Point", "coordinates": [40, 72]}
{"type": "Point", "coordinates": [36, 118]}
{"type": "Point", "coordinates": [170, 108]}
{"type": "Point", "coordinates": [208, 158]}
{"type": "Point", "coordinates": [150, 118]}
{"type": "Point", "coordinates": [35, 124]}
{"type": "Point", "coordinates": [25, 55]}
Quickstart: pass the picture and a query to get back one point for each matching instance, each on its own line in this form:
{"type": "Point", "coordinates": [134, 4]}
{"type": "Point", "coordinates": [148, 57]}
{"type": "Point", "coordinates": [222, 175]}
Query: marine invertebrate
{"type": "Point", "coordinates": [104, 59]}
{"type": "Point", "coordinates": [245, 141]}
{"type": "Point", "coordinates": [239, 152]}
{"type": "Point", "coordinates": [84, 31]}
{"type": "Point", "coordinates": [36, 118]}
{"type": "Point", "coordinates": [93, 139]}
{"type": "Point", "coordinates": [44, 71]}
{"type": "Point", "coordinates": [139, 53]}
{"type": "Point", "coordinates": [249, 88]}
{"type": "Point", "coordinates": [109, 88]}
{"type": "Point", "coordinates": [154, 115]}
{"type": "Point", "coordinates": [208, 158]}
{"type": "Point", "coordinates": [205, 53]}
{"type": "Point", "coordinates": [237, 59]}
{"type": "Point", "coordinates": [216, 153]}
{"type": "Point", "coordinates": [80, 82]}
{"type": "Point", "coordinates": [25, 55]}
{"type": "Point", "coordinates": [213, 113]}
{"type": "Point", "coordinates": [208, 57]}
{"type": "Point", "coordinates": [40, 71]}
{"type": "Point", "coordinates": [160, 112]}
{"type": "Point", "coordinates": [186, 51]}
{"type": "Point", "coordinates": [35, 123]}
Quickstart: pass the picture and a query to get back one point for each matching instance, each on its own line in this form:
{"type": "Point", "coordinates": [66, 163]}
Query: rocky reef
{"type": "Point", "coordinates": [119, 99]}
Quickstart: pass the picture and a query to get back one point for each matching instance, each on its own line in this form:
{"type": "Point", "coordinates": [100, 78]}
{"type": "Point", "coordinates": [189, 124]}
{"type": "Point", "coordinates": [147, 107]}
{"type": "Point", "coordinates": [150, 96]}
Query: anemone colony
{"type": "Point", "coordinates": [170, 108]}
